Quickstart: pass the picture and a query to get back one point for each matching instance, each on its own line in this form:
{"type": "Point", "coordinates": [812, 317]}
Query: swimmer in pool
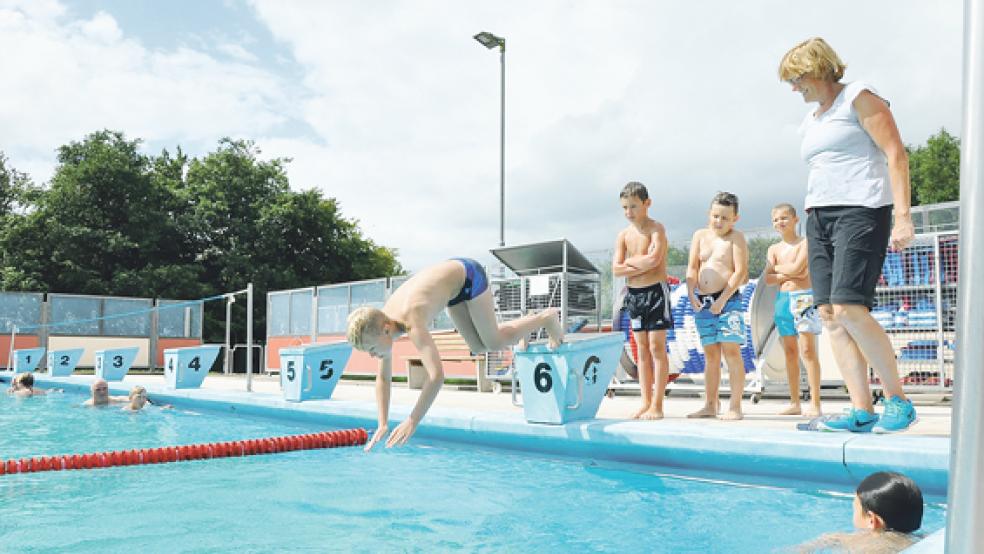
{"type": "Point", "coordinates": [461, 285]}
{"type": "Point", "coordinates": [100, 395]}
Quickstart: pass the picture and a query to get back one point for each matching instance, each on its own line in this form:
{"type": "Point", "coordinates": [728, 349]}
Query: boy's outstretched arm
{"type": "Point", "coordinates": [431, 359]}
{"type": "Point", "coordinates": [383, 385]}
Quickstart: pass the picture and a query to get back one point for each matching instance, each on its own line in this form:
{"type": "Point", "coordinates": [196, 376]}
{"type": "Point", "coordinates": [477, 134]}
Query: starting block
{"type": "Point", "coordinates": [568, 383]}
{"type": "Point", "coordinates": [26, 359]}
{"type": "Point", "coordinates": [61, 363]}
{"type": "Point", "coordinates": [113, 364]}
{"type": "Point", "coordinates": [311, 371]}
{"type": "Point", "coordinates": [186, 368]}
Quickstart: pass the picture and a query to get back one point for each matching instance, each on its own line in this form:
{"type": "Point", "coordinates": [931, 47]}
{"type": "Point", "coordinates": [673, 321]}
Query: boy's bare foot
{"type": "Point", "coordinates": [554, 329]}
{"type": "Point", "coordinates": [705, 412]}
{"type": "Point", "coordinates": [732, 415]}
{"type": "Point", "coordinates": [638, 413]}
{"type": "Point", "coordinates": [652, 414]}
{"type": "Point", "coordinates": [812, 411]}
{"type": "Point", "coordinates": [792, 409]}
{"type": "Point", "coordinates": [523, 344]}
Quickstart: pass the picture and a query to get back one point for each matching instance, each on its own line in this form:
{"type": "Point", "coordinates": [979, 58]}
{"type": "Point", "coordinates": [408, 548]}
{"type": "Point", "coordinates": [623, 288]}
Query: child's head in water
{"type": "Point", "coordinates": [138, 398]}
{"type": "Point", "coordinates": [888, 501]}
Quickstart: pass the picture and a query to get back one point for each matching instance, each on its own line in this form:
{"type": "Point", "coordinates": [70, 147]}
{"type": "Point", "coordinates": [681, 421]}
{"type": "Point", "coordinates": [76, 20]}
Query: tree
{"type": "Point", "coordinates": [934, 169]}
{"type": "Point", "coordinates": [115, 221]}
{"type": "Point", "coordinates": [758, 249]}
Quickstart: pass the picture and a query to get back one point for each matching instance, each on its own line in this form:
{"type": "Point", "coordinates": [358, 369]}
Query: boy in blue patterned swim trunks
{"type": "Point", "coordinates": [796, 316]}
{"type": "Point", "coordinates": [717, 268]}
{"type": "Point", "coordinates": [461, 286]}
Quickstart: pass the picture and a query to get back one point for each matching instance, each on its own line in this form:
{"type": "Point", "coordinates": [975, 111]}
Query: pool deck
{"type": "Point", "coordinates": [762, 445]}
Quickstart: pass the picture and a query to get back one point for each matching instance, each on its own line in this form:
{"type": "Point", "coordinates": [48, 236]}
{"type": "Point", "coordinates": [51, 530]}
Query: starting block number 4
{"type": "Point", "coordinates": [186, 368]}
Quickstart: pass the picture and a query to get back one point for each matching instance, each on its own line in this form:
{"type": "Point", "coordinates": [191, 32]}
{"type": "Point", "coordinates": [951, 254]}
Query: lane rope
{"type": "Point", "coordinates": [184, 453]}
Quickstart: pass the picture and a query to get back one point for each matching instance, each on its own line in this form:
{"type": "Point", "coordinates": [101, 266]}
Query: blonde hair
{"type": "Point", "coordinates": [812, 58]}
{"type": "Point", "coordinates": [784, 206]}
{"type": "Point", "coordinates": [137, 390]}
{"type": "Point", "coordinates": [364, 322]}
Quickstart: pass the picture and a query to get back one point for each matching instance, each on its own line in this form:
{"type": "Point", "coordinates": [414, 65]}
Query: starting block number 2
{"type": "Point", "coordinates": [325, 371]}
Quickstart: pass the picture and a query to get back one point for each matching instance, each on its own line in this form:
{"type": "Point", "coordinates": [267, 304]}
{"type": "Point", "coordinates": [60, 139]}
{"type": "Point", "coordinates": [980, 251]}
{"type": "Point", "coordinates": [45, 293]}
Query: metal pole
{"type": "Point", "coordinates": [502, 144]}
{"type": "Point", "coordinates": [965, 511]}
{"type": "Point", "coordinates": [249, 337]}
{"type": "Point", "coordinates": [228, 334]}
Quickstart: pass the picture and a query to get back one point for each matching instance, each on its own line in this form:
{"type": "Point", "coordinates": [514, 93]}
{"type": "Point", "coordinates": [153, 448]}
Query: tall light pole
{"type": "Point", "coordinates": [490, 41]}
{"type": "Point", "coordinates": [966, 488]}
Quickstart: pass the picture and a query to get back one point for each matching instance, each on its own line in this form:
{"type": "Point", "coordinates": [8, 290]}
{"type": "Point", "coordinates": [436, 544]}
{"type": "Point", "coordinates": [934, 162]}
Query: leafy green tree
{"type": "Point", "coordinates": [758, 248]}
{"type": "Point", "coordinates": [934, 169]}
{"type": "Point", "coordinates": [115, 221]}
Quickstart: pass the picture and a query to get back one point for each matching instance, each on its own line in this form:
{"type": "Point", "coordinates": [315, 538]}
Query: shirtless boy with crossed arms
{"type": "Point", "coordinates": [717, 268]}
{"type": "Point", "coordinates": [796, 317]}
{"type": "Point", "coordinates": [640, 257]}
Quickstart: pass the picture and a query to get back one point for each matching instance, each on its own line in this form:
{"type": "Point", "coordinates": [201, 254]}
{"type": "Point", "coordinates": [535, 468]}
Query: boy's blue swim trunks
{"type": "Point", "coordinates": [476, 281]}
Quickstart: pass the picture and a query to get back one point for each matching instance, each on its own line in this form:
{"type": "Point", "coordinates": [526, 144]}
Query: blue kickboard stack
{"type": "Point", "coordinates": [61, 363]}
{"type": "Point", "coordinates": [186, 368]}
{"type": "Point", "coordinates": [112, 364]}
{"type": "Point", "coordinates": [26, 359]}
{"type": "Point", "coordinates": [552, 381]}
{"type": "Point", "coordinates": [311, 371]}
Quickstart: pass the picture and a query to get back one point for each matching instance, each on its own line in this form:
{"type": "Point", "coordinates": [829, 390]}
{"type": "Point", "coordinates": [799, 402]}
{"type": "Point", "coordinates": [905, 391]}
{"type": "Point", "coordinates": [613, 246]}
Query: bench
{"type": "Point", "coordinates": [451, 347]}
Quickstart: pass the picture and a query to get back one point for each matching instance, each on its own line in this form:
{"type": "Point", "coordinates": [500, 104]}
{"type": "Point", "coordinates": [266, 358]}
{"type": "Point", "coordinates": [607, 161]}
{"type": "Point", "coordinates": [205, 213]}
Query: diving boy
{"type": "Point", "coordinates": [796, 317]}
{"type": "Point", "coordinates": [640, 257]}
{"type": "Point", "coordinates": [716, 270]}
{"type": "Point", "coordinates": [461, 285]}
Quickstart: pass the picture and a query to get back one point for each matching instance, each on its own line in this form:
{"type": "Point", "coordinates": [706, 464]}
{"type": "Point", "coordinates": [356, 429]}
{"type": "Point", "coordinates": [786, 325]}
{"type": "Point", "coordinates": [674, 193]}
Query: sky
{"type": "Point", "coordinates": [393, 109]}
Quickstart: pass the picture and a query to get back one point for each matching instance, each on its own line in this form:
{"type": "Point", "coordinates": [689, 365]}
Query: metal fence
{"type": "Point", "coordinates": [916, 302]}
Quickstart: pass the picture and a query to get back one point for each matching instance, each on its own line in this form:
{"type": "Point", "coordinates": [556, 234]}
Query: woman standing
{"type": "Point", "coordinates": [859, 179]}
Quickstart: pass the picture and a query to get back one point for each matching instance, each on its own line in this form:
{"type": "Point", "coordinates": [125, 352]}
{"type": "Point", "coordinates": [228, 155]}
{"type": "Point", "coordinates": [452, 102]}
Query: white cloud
{"type": "Point", "coordinates": [400, 107]}
{"type": "Point", "coordinates": [66, 78]}
{"type": "Point", "coordinates": [683, 97]}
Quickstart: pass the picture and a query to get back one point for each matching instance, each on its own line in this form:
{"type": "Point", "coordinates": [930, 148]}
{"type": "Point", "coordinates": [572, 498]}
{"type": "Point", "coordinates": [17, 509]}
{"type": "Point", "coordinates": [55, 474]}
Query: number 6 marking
{"type": "Point", "coordinates": [542, 378]}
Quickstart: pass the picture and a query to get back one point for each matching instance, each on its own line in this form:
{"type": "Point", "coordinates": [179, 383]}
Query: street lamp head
{"type": "Point", "coordinates": [489, 40]}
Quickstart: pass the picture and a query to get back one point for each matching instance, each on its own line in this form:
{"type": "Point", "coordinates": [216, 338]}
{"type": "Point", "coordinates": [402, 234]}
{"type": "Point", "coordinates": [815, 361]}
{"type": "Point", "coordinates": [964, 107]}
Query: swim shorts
{"type": "Point", "coordinates": [649, 307]}
{"type": "Point", "coordinates": [795, 313]}
{"type": "Point", "coordinates": [728, 326]}
{"type": "Point", "coordinates": [476, 281]}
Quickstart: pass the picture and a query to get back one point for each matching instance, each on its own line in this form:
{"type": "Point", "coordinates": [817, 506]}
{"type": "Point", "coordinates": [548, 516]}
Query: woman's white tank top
{"type": "Point", "coordinates": [846, 167]}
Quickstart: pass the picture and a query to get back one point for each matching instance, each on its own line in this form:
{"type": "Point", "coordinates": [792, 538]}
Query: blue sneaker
{"type": "Point", "coordinates": [899, 415]}
{"type": "Point", "coordinates": [853, 420]}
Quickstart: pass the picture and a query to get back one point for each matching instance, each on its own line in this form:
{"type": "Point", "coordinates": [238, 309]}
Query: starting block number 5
{"type": "Point", "coordinates": [325, 371]}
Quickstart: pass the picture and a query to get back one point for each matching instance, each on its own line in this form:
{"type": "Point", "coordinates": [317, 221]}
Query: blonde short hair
{"type": "Point", "coordinates": [362, 323]}
{"type": "Point", "coordinates": [137, 390]}
{"type": "Point", "coordinates": [812, 58]}
{"type": "Point", "coordinates": [785, 206]}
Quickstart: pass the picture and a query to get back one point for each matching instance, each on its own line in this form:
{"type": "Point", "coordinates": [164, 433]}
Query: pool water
{"type": "Point", "coordinates": [426, 497]}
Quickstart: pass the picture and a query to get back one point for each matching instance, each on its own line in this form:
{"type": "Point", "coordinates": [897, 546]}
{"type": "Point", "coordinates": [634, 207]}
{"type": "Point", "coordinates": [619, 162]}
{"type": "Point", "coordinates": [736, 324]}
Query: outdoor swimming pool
{"type": "Point", "coordinates": [430, 496]}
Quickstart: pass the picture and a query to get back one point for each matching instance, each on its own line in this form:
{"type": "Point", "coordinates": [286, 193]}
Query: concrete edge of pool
{"type": "Point", "coordinates": [842, 459]}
